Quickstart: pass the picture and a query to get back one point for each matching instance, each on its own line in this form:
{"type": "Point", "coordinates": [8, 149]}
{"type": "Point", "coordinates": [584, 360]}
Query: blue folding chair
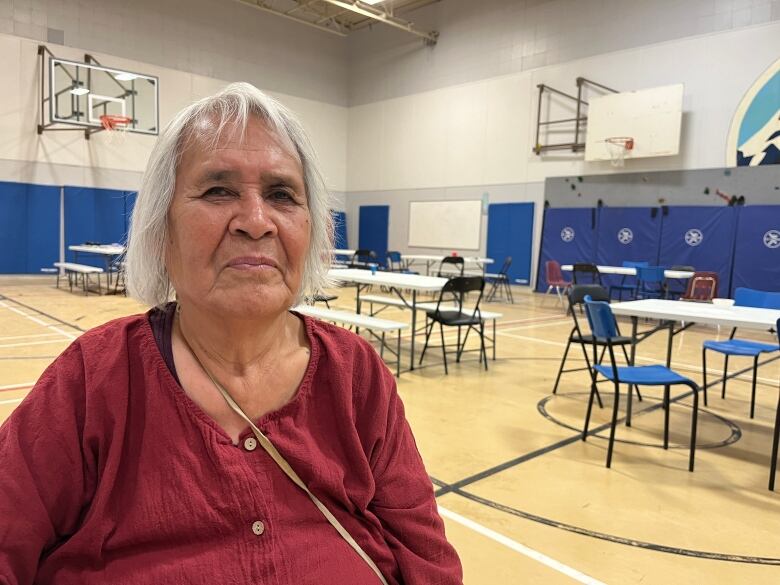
{"type": "Point", "coordinates": [651, 282]}
{"type": "Point", "coordinates": [602, 325]}
{"type": "Point", "coordinates": [627, 284]}
{"type": "Point", "coordinates": [396, 264]}
{"type": "Point", "coordinates": [743, 297]}
{"type": "Point", "coordinates": [773, 464]}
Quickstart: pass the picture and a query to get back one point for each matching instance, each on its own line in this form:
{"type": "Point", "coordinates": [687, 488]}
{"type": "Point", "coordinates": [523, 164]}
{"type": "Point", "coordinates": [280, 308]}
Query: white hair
{"type": "Point", "coordinates": [231, 108]}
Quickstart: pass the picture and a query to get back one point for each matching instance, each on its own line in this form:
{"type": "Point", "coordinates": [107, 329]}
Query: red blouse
{"type": "Point", "coordinates": [110, 473]}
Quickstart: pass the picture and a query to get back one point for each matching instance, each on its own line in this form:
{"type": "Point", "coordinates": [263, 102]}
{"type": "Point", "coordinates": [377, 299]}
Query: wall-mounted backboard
{"type": "Point", "coordinates": [652, 117]}
{"type": "Point", "coordinates": [78, 93]}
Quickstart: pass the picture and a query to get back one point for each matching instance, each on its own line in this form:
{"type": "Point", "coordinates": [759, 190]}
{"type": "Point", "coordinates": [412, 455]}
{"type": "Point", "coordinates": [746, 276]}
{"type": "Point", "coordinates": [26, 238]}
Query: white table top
{"type": "Point", "coordinates": [438, 257]}
{"type": "Point", "coordinates": [705, 313]}
{"type": "Point", "coordinates": [105, 249]}
{"type": "Point", "coordinates": [628, 271]}
{"type": "Point", "coordinates": [396, 279]}
{"type": "Point", "coordinates": [343, 252]}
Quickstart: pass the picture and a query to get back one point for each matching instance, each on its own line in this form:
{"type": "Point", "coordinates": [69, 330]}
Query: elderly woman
{"type": "Point", "coordinates": [220, 438]}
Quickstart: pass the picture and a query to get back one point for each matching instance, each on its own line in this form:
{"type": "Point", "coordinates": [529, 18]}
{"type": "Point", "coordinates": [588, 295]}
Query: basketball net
{"type": "Point", "coordinates": [618, 147]}
{"type": "Point", "coordinates": [115, 127]}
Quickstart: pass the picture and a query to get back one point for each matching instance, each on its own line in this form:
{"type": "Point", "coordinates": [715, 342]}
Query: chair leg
{"type": "Point", "coordinates": [628, 362]}
{"type": "Point", "coordinates": [704, 373]}
{"type": "Point", "coordinates": [428, 331]}
{"type": "Point", "coordinates": [694, 419]}
{"type": "Point", "coordinates": [666, 416]}
{"type": "Point", "coordinates": [560, 369]}
{"type": "Point", "coordinates": [593, 391]}
{"type": "Point", "coordinates": [549, 288]}
{"type": "Point", "coordinates": [457, 357]}
{"type": "Point", "coordinates": [753, 390]}
{"type": "Point", "coordinates": [773, 462]}
{"type": "Point", "coordinates": [482, 341]}
{"type": "Point", "coordinates": [725, 373]}
{"type": "Point", "coordinates": [443, 348]}
{"type": "Point", "coordinates": [614, 424]}
{"type": "Point", "coordinates": [590, 371]}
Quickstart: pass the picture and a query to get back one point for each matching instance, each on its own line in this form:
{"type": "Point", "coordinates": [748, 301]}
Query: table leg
{"type": "Point", "coordinates": [634, 326]}
{"type": "Point", "coordinates": [414, 325]}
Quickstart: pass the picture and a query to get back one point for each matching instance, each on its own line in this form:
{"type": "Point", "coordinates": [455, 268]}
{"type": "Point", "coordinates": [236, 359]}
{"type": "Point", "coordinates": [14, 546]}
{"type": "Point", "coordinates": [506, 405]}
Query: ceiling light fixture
{"type": "Point", "coordinates": [79, 91]}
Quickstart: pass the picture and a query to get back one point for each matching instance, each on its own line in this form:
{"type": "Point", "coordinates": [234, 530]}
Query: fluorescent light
{"type": "Point", "coordinates": [125, 76]}
{"type": "Point", "coordinates": [79, 91]}
{"type": "Point", "coordinates": [371, 2]}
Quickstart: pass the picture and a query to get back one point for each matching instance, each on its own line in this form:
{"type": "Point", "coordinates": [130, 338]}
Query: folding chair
{"type": "Point", "coordinates": [627, 283]}
{"type": "Point", "coordinates": [743, 297]}
{"type": "Point", "coordinates": [602, 325]}
{"type": "Point", "coordinates": [396, 264]}
{"type": "Point", "coordinates": [449, 312]}
{"type": "Point", "coordinates": [586, 273]}
{"type": "Point", "coordinates": [362, 258]}
{"type": "Point", "coordinates": [456, 261]}
{"type": "Point", "coordinates": [675, 287]}
{"type": "Point", "coordinates": [577, 295]}
{"type": "Point", "coordinates": [651, 282]}
{"type": "Point", "coordinates": [773, 463]}
{"type": "Point", "coordinates": [500, 281]}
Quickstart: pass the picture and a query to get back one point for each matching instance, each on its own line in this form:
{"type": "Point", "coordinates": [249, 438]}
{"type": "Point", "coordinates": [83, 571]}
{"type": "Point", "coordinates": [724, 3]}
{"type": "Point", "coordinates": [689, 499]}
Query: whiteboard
{"type": "Point", "coordinates": [652, 117]}
{"type": "Point", "coordinates": [452, 225]}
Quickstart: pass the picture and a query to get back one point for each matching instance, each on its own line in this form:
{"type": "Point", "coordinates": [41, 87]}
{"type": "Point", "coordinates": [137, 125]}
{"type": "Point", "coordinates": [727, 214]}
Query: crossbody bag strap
{"type": "Point", "coordinates": [269, 448]}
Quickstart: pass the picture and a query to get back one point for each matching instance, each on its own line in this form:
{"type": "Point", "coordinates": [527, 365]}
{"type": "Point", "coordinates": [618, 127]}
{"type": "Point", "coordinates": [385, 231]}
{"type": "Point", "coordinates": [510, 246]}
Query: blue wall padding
{"type": "Point", "coordinates": [510, 233]}
{"type": "Point", "coordinates": [757, 248]}
{"type": "Point", "coordinates": [29, 227]}
{"type": "Point", "coordinates": [702, 237]}
{"type": "Point", "coordinates": [130, 197]}
{"type": "Point", "coordinates": [627, 233]}
{"type": "Point", "coordinates": [43, 227]}
{"type": "Point", "coordinates": [93, 215]}
{"type": "Point", "coordinates": [13, 226]}
{"type": "Point", "coordinates": [568, 236]}
{"type": "Point", "coordinates": [372, 231]}
{"type": "Point", "coordinates": [339, 230]}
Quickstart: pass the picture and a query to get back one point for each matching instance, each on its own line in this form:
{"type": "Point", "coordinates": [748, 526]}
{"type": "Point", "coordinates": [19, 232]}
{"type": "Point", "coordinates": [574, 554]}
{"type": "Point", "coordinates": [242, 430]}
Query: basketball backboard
{"type": "Point", "coordinates": [79, 93]}
{"type": "Point", "coordinates": [652, 117]}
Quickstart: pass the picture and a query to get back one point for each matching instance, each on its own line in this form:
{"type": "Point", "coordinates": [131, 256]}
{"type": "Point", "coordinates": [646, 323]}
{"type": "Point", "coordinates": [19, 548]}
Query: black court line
{"type": "Point", "coordinates": [47, 315]}
{"type": "Point", "coordinates": [699, 554]}
{"type": "Point", "coordinates": [544, 450]}
{"type": "Point", "coordinates": [734, 436]}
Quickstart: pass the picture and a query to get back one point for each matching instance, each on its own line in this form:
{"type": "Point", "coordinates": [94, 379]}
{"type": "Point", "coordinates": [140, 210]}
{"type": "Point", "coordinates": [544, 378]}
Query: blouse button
{"type": "Point", "coordinates": [258, 527]}
{"type": "Point", "coordinates": [250, 444]}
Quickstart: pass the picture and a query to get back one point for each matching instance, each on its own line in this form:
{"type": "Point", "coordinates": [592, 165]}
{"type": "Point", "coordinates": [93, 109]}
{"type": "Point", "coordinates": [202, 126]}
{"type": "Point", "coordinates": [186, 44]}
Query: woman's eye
{"type": "Point", "coordinates": [218, 192]}
{"type": "Point", "coordinates": [282, 195]}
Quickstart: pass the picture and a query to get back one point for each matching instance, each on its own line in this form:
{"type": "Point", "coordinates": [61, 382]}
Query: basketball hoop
{"type": "Point", "coordinates": [618, 147]}
{"type": "Point", "coordinates": [115, 126]}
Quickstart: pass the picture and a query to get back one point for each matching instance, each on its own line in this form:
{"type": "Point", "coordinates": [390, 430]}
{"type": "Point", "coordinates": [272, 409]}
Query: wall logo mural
{"type": "Point", "coordinates": [625, 236]}
{"type": "Point", "coordinates": [772, 239]}
{"type": "Point", "coordinates": [754, 138]}
{"type": "Point", "coordinates": [694, 237]}
{"type": "Point", "coordinates": [567, 234]}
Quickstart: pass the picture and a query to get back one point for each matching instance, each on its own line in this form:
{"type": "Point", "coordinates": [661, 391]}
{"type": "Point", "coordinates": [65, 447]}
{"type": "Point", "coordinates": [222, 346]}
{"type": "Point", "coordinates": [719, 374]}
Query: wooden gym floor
{"type": "Point", "coordinates": [524, 500]}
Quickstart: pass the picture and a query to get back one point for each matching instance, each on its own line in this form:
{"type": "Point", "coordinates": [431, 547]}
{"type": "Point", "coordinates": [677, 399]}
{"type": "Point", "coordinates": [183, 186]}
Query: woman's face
{"type": "Point", "coordinates": [239, 224]}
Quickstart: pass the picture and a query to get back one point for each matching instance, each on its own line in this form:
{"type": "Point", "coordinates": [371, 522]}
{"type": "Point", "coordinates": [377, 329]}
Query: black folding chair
{"type": "Point", "coordinates": [362, 258]}
{"type": "Point", "coordinates": [585, 273]}
{"type": "Point", "coordinates": [449, 312]}
{"type": "Point", "coordinates": [455, 261]}
{"type": "Point", "coordinates": [500, 281]}
{"type": "Point", "coordinates": [577, 295]}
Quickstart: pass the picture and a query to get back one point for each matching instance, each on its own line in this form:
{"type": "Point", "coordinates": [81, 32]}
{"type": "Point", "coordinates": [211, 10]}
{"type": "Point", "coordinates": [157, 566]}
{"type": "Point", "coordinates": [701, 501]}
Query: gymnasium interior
{"type": "Point", "coordinates": [535, 146]}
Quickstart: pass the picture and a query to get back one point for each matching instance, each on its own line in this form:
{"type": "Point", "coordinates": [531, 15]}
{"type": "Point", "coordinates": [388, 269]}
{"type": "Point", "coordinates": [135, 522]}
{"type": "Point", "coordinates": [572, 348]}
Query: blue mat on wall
{"type": "Point", "coordinates": [568, 236]}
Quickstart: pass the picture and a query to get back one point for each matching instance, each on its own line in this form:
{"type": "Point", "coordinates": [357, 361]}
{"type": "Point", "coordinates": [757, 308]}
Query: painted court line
{"type": "Point", "coordinates": [29, 336]}
{"type": "Point", "coordinates": [521, 548]}
{"type": "Point", "coordinates": [29, 343]}
{"type": "Point", "coordinates": [11, 401]}
{"type": "Point", "coordinates": [38, 321]}
{"type": "Point", "coordinates": [16, 386]}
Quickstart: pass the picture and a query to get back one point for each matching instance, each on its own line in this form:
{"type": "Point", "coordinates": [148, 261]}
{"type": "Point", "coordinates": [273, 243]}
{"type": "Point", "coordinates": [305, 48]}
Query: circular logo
{"type": "Point", "coordinates": [772, 239]}
{"type": "Point", "coordinates": [625, 236]}
{"type": "Point", "coordinates": [567, 234]}
{"type": "Point", "coordinates": [693, 237]}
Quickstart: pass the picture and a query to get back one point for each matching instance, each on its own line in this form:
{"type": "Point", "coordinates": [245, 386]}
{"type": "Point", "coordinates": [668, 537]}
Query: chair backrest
{"type": "Point", "coordinates": [683, 268]}
{"type": "Point", "coordinates": [650, 273]}
{"type": "Point", "coordinates": [505, 268]}
{"type": "Point", "coordinates": [362, 257]}
{"type": "Point", "coordinates": [552, 271]}
{"type": "Point", "coordinates": [702, 286]}
{"type": "Point", "coordinates": [600, 319]}
{"type": "Point", "coordinates": [394, 256]}
{"type": "Point", "coordinates": [457, 287]}
{"type": "Point", "coordinates": [634, 264]}
{"type": "Point", "coordinates": [456, 261]}
{"type": "Point", "coordinates": [750, 297]}
{"type": "Point", "coordinates": [394, 262]}
{"type": "Point", "coordinates": [586, 270]}
{"type": "Point", "coordinates": [596, 292]}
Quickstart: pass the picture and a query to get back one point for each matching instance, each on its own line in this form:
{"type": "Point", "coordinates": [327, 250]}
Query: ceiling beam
{"type": "Point", "coordinates": [261, 5]}
{"type": "Point", "coordinates": [381, 16]}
